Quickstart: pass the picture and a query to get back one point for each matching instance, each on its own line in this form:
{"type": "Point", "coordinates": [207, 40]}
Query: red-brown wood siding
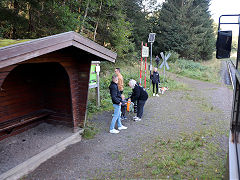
{"type": "Point", "coordinates": [57, 81]}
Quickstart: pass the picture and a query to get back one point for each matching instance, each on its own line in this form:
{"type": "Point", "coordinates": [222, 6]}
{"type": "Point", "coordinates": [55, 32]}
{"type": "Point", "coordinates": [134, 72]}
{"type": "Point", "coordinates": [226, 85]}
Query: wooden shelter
{"type": "Point", "coordinates": [46, 80]}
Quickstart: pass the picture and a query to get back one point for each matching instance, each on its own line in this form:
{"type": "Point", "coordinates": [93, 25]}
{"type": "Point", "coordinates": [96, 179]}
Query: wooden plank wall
{"type": "Point", "coordinates": [21, 94]}
{"type": "Point", "coordinates": [57, 81]}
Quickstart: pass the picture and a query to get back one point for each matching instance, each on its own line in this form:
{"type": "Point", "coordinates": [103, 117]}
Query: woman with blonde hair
{"type": "Point", "coordinates": [139, 95]}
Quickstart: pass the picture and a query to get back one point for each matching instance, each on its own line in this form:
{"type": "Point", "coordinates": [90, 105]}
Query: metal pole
{"type": "Point", "coordinates": [164, 69]}
{"type": "Point", "coordinates": [145, 71]}
{"type": "Point", "coordinates": [150, 65]}
{"type": "Point", "coordinates": [141, 65]}
{"type": "Point", "coordinates": [98, 90]}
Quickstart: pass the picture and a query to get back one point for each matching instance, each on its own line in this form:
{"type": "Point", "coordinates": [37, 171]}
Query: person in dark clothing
{"type": "Point", "coordinates": [117, 101]}
{"type": "Point", "coordinates": [155, 80]}
{"type": "Point", "coordinates": [157, 60]}
{"type": "Point", "coordinates": [140, 95]}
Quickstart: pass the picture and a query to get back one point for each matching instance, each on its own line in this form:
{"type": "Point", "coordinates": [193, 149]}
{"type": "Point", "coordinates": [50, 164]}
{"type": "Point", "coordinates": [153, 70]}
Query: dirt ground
{"type": "Point", "coordinates": [203, 106]}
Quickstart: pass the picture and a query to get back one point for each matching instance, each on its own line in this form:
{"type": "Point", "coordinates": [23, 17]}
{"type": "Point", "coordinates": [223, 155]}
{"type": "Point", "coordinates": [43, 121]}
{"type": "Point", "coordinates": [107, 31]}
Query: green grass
{"type": "Point", "coordinates": [90, 131]}
{"type": "Point", "coordinates": [7, 42]}
{"type": "Point", "coordinates": [174, 85]}
{"type": "Point", "coordinates": [205, 71]}
{"type": "Point", "coordinates": [184, 158]}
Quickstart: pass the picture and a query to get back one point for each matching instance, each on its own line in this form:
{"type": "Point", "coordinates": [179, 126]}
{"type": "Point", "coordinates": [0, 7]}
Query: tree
{"type": "Point", "coordinates": [138, 18]}
{"type": "Point", "coordinates": [185, 26]}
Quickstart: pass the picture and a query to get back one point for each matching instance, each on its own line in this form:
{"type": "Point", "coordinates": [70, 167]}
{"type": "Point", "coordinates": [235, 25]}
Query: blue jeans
{"type": "Point", "coordinates": [116, 116]}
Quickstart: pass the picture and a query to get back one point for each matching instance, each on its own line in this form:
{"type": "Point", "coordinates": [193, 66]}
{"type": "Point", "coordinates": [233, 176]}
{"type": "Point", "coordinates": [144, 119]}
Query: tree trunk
{"type": "Point", "coordinates": [85, 15]}
{"type": "Point", "coordinates": [16, 10]}
{"type": "Point", "coordinates": [95, 31]}
{"type": "Point", "coordinates": [30, 18]}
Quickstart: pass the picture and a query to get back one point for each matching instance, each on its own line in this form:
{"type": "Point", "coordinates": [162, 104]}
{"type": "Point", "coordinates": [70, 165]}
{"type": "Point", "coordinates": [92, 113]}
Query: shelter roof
{"type": "Point", "coordinates": [17, 53]}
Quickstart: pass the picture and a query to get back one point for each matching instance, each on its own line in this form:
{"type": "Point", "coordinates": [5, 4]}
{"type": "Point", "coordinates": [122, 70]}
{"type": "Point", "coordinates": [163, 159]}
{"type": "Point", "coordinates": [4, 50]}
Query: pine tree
{"type": "Point", "coordinates": [185, 26]}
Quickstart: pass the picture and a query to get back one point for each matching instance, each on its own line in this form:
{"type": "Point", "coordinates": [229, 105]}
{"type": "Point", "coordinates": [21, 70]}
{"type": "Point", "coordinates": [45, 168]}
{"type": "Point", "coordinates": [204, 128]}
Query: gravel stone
{"type": "Point", "coordinates": [16, 149]}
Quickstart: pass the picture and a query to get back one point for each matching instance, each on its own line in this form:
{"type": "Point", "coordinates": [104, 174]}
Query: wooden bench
{"type": "Point", "coordinates": [10, 124]}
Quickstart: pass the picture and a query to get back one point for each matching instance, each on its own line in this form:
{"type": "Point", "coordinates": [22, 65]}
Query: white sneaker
{"type": "Point", "coordinates": [114, 131]}
{"type": "Point", "coordinates": [122, 127]}
{"type": "Point", "coordinates": [137, 119]}
{"type": "Point", "coordinates": [157, 95]}
{"type": "Point", "coordinates": [153, 94]}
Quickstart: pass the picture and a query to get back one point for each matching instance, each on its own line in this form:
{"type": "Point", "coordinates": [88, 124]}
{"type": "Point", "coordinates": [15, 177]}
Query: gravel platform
{"type": "Point", "coordinates": [166, 116]}
{"type": "Point", "coordinates": [204, 105]}
{"type": "Point", "coordinates": [17, 149]}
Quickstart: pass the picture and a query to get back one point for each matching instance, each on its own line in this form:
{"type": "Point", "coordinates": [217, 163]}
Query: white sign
{"type": "Point", "coordinates": [145, 51]}
{"type": "Point", "coordinates": [97, 68]}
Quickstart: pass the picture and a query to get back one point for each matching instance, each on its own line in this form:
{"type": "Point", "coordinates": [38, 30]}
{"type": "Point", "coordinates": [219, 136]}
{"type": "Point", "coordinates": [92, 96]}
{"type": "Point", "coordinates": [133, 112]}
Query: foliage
{"type": "Point", "coordinates": [185, 27]}
{"type": "Point", "coordinates": [7, 42]}
{"type": "Point", "coordinates": [89, 132]}
{"type": "Point", "coordinates": [138, 18]}
{"type": "Point", "coordinates": [174, 56]}
{"type": "Point", "coordinates": [103, 21]}
{"type": "Point", "coordinates": [206, 71]}
{"type": "Point", "coordinates": [173, 84]}
{"type": "Point", "coordinates": [182, 158]}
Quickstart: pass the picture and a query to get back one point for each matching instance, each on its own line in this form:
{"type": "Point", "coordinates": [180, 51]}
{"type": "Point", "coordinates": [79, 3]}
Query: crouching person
{"type": "Point", "coordinates": [140, 95]}
{"type": "Point", "coordinates": [117, 101]}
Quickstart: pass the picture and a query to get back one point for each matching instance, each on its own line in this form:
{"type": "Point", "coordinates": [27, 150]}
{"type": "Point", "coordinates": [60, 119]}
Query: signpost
{"type": "Point", "coordinates": [151, 39]}
{"type": "Point", "coordinates": [141, 65]}
{"type": "Point", "coordinates": [164, 63]}
{"type": "Point", "coordinates": [145, 53]}
{"type": "Point", "coordinates": [94, 79]}
{"type": "Point", "coordinates": [146, 66]}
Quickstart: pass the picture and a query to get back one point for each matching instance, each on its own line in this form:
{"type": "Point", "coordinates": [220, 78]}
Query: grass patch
{"type": "Point", "coordinates": [205, 71]}
{"type": "Point", "coordinates": [90, 132]}
{"type": "Point", "coordinates": [7, 42]}
{"type": "Point", "coordinates": [174, 85]}
{"type": "Point", "coordinates": [184, 158]}
{"type": "Point", "coordinates": [117, 155]}
{"type": "Point", "coordinates": [206, 107]}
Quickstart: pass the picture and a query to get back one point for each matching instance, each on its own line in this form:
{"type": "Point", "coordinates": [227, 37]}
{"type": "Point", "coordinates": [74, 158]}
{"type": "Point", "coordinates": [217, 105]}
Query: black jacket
{"type": "Point", "coordinates": [115, 93]}
{"type": "Point", "coordinates": [139, 93]}
{"type": "Point", "coordinates": [155, 77]}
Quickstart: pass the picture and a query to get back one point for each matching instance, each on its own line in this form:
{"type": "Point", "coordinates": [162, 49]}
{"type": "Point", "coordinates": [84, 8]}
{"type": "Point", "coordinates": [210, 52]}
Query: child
{"type": "Point", "coordinates": [155, 80]}
{"type": "Point", "coordinates": [123, 107]}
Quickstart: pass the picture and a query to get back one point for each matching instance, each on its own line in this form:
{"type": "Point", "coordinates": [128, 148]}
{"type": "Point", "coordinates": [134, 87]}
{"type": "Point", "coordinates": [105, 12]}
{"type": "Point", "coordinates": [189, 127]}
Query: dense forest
{"type": "Point", "coordinates": [182, 26]}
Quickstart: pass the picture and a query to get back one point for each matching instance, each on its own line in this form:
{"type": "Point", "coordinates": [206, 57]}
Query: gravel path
{"type": "Point", "coordinates": [17, 149]}
{"type": "Point", "coordinates": [204, 105]}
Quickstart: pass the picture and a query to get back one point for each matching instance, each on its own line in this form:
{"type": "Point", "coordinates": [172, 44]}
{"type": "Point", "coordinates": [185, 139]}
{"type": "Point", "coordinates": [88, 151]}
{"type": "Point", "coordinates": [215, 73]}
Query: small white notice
{"type": "Point", "coordinates": [145, 51]}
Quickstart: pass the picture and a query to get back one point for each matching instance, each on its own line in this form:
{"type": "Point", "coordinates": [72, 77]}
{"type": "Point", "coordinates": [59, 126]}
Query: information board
{"type": "Point", "coordinates": [145, 51]}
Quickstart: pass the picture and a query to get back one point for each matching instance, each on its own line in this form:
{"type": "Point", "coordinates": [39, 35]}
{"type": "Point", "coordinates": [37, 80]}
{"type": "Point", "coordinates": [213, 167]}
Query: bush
{"type": "Point", "coordinates": [195, 70]}
{"type": "Point", "coordinates": [190, 65]}
{"type": "Point", "coordinates": [174, 56]}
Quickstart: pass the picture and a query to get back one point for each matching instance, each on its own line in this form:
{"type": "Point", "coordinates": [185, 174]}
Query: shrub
{"type": "Point", "coordinates": [190, 65]}
{"type": "Point", "coordinates": [174, 56]}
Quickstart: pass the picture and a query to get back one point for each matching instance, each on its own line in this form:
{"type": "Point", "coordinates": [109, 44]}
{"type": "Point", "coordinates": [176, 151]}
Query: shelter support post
{"type": "Point", "coordinates": [79, 80]}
